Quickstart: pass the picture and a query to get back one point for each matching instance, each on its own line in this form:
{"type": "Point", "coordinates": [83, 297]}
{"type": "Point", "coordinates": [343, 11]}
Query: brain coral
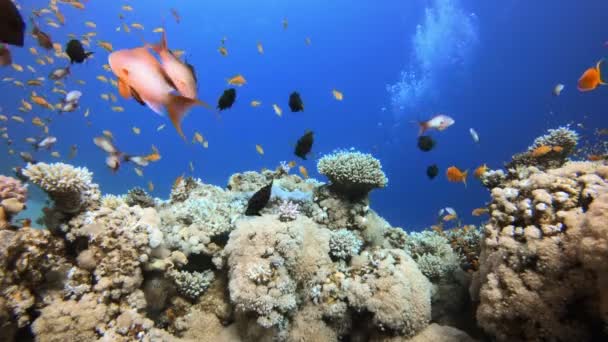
{"type": "Point", "coordinates": [70, 187]}
{"type": "Point", "coordinates": [353, 174]}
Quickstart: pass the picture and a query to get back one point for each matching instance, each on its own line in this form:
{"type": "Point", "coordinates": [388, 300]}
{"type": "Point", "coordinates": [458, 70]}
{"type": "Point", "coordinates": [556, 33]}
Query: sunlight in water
{"type": "Point", "coordinates": [445, 39]}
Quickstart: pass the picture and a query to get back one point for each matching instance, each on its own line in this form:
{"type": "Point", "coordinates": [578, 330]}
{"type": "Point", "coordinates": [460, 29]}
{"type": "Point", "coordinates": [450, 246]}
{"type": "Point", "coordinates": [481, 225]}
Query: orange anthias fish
{"type": "Point", "coordinates": [455, 175]}
{"type": "Point", "coordinates": [237, 80]}
{"type": "Point", "coordinates": [480, 171]}
{"type": "Point", "coordinates": [591, 78]}
{"type": "Point", "coordinates": [541, 151]}
{"type": "Point", "coordinates": [141, 76]}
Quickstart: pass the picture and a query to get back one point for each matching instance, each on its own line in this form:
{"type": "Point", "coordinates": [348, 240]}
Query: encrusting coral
{"type": "Point", "coordinates": [544, 227]}
{"type": "Point", "coordinates": [352, 174]}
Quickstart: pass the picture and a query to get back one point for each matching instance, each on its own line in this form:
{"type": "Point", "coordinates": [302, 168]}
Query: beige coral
{"type": "Point", "coordinates": [71, 188]}
{"type": "Point", "coordinates": [530, 284]}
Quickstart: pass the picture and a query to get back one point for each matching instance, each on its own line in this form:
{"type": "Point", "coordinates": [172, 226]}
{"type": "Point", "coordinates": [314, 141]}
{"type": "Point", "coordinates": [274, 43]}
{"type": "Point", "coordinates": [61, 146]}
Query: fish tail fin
{"type": "Point", "coordinates": [422, 127]}
{"type": "Point", "coordinates": [598, 67]}
{"type": "Point", "coordinates": [177, 107]}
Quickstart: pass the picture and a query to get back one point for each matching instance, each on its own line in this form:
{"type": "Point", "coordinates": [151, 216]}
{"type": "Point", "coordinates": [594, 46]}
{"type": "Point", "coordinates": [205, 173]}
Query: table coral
{"type": "Point", "coordinates": [71, 188]}
{"type": "Point", "coordinates": [352, 174]}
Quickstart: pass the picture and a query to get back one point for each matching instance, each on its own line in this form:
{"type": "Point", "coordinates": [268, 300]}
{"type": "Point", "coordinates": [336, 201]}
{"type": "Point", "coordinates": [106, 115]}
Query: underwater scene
{"type": "Point", "coordinates": [303, 170]}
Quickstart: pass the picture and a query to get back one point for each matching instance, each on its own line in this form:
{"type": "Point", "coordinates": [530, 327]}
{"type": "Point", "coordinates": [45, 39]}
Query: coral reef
{"type": "Point", "coordinates": [544, 226]}
{"type": "Point", "coordinates": [343, 244]}
{"type": "Point", "coordinates": [433, 254]}
{"type": "Point", "coordinates": [13, 196]}
{"type": "Point", "coordinates": [71, 188]}
{"type": "Point", "coordinates": [139, 196]}
{"type": "Point", "coordinates": [191, 284]}
{"type": "Point", "coordinates": [352, 174]}
{"type": "Point", "coordinates": [560, 144]}
{"type": "Point", "coordinates": [288, 211]}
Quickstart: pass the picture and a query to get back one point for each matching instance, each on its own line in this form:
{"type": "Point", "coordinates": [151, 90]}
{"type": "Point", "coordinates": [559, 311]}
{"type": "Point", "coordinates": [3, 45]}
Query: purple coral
{"type": "Point", "coordinates": [12, 188]}
{"type": "Point", "coordinates": [288, 211]}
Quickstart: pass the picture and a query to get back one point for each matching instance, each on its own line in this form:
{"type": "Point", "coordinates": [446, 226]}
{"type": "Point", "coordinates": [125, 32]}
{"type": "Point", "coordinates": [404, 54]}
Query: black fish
{"type": "Point", "coordinates": [304, 145]}
{"type": "Point", "coordinates": [295, 102]}
{"type": "Point", "coordinates": [432, 171]}
{"type": "Point", "coordinates": [258, 201]}
{"type": "Point", "coordinates": [76, 52]}
{"type": "Point", "coordinates": [5, 56]}
{"type": "Point", "coordinates": [12, 26]}
{"type": "Point", "coordinates": [227, 99]}
{"type": "Point", "coordinates": [426, 143]}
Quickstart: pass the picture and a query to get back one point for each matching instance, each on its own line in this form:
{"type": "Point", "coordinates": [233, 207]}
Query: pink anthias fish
{"type": "Point", "coordinates": [141, 76]}
{"type": "Point", "coordinates": [178, 72]}
{"type": "Point", "coordinates": [439, 122]}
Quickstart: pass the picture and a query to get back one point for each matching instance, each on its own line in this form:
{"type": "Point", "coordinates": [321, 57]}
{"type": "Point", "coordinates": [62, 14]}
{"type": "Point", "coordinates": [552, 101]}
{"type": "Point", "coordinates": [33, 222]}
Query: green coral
{"type": "Point", "coordinates": [433, 254]}
{"type": "Point", "coordinates": [352, 173]}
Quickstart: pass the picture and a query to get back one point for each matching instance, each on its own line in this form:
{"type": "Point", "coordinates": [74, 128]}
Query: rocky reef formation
{"type": "Point", "coordinates": [13, 196]}
{"type": "Point", "coordinates": [318, 264]}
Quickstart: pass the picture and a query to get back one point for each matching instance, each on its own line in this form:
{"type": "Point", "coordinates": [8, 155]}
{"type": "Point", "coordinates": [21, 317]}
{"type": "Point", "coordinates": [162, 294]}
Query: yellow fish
{"type": "Point", "coordinates": [223, 51]}
{"type": "Point", "coordinates": [52, 23]}
{"type": "Point", "coordinates": [107, 67]}
{"type": "Point", "coordinates": [198, 137]}
{"type": "Point", "coordinates": [81, 82]}
{"type": "Point", "coordinates": [106, 45]}
{"type": "Point", "coordinates": [37, 122]}
{"type": "Point", "coordinates": [118, 109]}
{"type": "Point", "coordinates": [60, 91]}
{"type": "Point", "coordinates": [40, 61]}
{"type": "Point", "coordinates": [126, 28]}
{"type": "Point", "coordinates": [102, 78]}
{"type": "Point", "coordinates": [34, 83]}
{"type": "Point", "coordinates": [33, 51]}
{"type": "Point", "coordinates": [3, 118]}
{"type": "Point", "coordinates": [337, 95]}
{"type": "Point", "coordinates": [237, 80]}
{"type": "Point", "coordinates": [259, 149]}
{"type": "Point", "coordinates": [17, 67]}
{"type": "Point", "coordinates": [57, 47]}
{"type": "Point", "coordinates": [49, 59]}
{"type": "Point", "coordinates": [277, 110]}
{"type": "Point", "coordinates": [76, 4]}
{"type": "Point", "coordinates": [59, 17]}
{"type": "Point", "coordinates": [105, 96]}
{"type": "Point", "coordinates": [113, 97]}
{"type": "Point", "coordinates": [137, 26]}
{"type": "Point", "coordinates": [26, 105]}
{"type": "Point", "coordinates": [18, 83]}
{"type": "Point", "coordinates": [303, 172]}
{"type": "Point", "coordinates": [260, 48]}
{"type": "Point", "coordinates": [90, 24]}
{"type": "Point", "coordinates": [136, 130]}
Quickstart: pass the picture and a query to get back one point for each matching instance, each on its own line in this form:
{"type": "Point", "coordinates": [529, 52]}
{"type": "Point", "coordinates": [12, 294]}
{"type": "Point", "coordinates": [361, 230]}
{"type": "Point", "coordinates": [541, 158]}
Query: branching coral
{"type": "Point", "coordinates": [70, 187]}
{"type": "Point", "coordinates": [531, 285]}
{"type": "Point", "coordinates": [353, 174]}
{"type": "Point", "coordinates": [344, 244]}
{"type": "Point", "coordinates": [560, 143]}
{"type": "Point", "coordinates": [433, 253]}
{"type": "Point", "coordinates": [139, 196]}
{"type": "Point", "coordinates": [112, 201]}
{"type": "Point", "coordinates": [191, 284]}
{"type": "Point", "coordinates": [288, 211]}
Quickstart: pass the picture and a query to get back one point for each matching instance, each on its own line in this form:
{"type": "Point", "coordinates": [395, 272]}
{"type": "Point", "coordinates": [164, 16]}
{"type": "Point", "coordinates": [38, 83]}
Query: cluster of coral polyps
{"type": "Point", "coordinates": [317, 265]}
{"type": "Point", "coordinates": [543, 260]}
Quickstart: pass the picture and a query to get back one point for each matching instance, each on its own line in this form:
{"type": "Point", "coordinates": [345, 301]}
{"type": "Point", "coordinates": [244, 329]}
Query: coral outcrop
{"type": "Point", "coordinates": [139, 196]}
{"type": "Point", "coordinates": [543, 254]}
{"type": "Point", "coordinates": [71, 188]}
{"type": "Point", "coordinates": [352, 174]}
{"type": "Point", "coordinates": [13, 196]}
{"type": "Point", "coordinates": [559, 143]}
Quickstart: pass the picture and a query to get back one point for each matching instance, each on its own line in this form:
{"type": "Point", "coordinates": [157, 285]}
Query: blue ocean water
{"type": "Point", "coordinates": [489, 65]}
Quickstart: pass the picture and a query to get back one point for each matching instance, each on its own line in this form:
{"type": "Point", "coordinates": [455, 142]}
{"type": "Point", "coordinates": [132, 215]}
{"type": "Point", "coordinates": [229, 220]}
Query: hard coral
{"type": "Point", "coordinates": [191, 284]}
{"type": "Point", "coordinates": [70, 187]}
{"type": "Point", "coordinates": [433, 254]}
{"type": "Point", "coordinates": [288, 211]}
{"type": "Point", "coordinates": [12, 188]}
{"type": "Point", "coordinates": [352, 174]}
{"type": "Point", "coordinates": [344, 244]}
{"type": "Point", "coordinates": [531, 285]}
{"type": "Point", "coordinates": [139, 196]}
{"type": "Point", "coordinates": [561, 143]}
